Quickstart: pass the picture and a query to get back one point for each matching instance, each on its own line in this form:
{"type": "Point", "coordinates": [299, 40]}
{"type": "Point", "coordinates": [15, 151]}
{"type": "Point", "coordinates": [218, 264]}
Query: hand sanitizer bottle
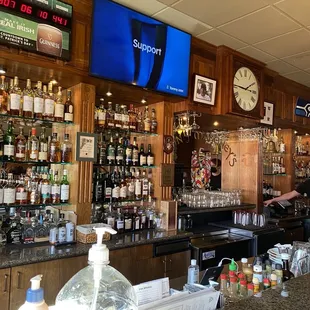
{"type": "Point", "coordinates": [193, 272]}
{"type": "Point", "coordinates": [35, 296]}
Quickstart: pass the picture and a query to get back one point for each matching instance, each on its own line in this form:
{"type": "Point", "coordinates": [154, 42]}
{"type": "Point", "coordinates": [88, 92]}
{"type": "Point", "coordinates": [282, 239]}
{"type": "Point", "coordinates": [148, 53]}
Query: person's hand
{"type": "Point", "coordinates": [268, 202]}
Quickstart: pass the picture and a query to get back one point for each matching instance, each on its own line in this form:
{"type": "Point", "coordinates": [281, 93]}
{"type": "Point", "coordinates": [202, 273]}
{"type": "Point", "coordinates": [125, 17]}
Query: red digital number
{"type": "Point", "coordinates": [43, 14]}
{"type": "Point", "coordinates": [26, 9]}
{"type": "Point", "coordinates": [8, 3]}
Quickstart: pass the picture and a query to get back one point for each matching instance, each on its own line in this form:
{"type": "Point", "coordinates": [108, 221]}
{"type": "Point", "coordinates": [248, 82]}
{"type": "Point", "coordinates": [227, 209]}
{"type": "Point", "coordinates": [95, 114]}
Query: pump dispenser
{"type": "Point", "coordinates": [35, 296]}
{"type": "Point", "coordinates": [98, 286]}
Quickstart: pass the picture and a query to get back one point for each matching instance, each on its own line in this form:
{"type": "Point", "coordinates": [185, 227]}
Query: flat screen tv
{"type": "Point", "coordinates": [132, 48]}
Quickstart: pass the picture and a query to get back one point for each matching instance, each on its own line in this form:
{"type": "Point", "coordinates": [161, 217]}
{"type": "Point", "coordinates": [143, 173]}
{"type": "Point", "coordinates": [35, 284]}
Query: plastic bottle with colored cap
{"type": "Point", "coordinates": [35, 296]}
{"type": "Point", "coordinates": [193, 272]}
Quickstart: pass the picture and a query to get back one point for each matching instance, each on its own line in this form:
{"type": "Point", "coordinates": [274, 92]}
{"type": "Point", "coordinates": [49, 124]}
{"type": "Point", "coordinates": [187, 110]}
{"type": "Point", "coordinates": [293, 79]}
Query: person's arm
{"type": "Point", "coordinates": [286, 196]}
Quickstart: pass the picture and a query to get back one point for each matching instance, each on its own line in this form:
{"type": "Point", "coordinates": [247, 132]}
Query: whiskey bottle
{"type": "Point", "coordinates": [55, 189]}
{"type": "Point", "coordinates": [107, 188]}
{"type": "Point", "coordinates": [64, 188]}
{"type": "Point", "coordinates": [153, 122]}
{"type": "Point", "coordinates": [128, 152]}
{"type": "Point", "coordinates": [59, 107]}
{"type": "Point", "coordinates": [116, 185]}
{"type": "Point", "coordinates": [110, 116]}
{"type": "Point", "coordinates": [147, 121]}
{"type": "Point", "coordinates": [62, 232]}
{"type": "Point", "coordinates": [118, 117]}
{"type": "Point", "coordinates": [142, 156]}
{"type": "Point", "coordinates": [138, 186]}
{"type": "Point", "coordinates": [98, 187]}
{"type": "Point", "coordinates": [69, 108]}
{"type": "Point", "coordinates": [33, 151]}
{"type": "Point", "coordinates": [102, 150]}
{"type": "Point", "coordinates": [38, 102]}
{"type": "Point", "coordinates": [135, 153]}
{"type": "Point", "coordinates": [140, 123]}
{"type": "Point", "coordinates": [145, 186]}
{"type": "Point", "coordinates": [101, 114]}
{"type": "Point", "coordinates": [9, 143]}
{"type": "Point", "coordinates": [45, 189]}
{"type": "Point", "coordinates": [20, 146]}
{"type": "Point", "coordinates": [150, 156]}
{"type": "Point", "coordinates": [28, 100]}
{"type": "Point", "coordinates": [125, 118]}
{"type": "Point", "coordinates": [127, 221]}
{"type": "Point", "coordinates": [119, 222]}
{"type": "Point", "coordinates": [1, 141]}
{"type": "Point", "coordinates": [4, 97]}
{"type": "Point", "coordinates": [110, 218]}
{"type": "Point", "coordinates": [15, 98]}
{"type": "Point", "coordinates": [66, 150]}
{"type": "Point", "coordinates": [136, 220]}
{"type": "Point", "coordinates": [54, 150]}
{"type": "Point", "coordinates": [120, 153]}
{"type": "Point", "coordinates": [49, 103]}
{"type": "Point", "coordinates": [111, 152]}
{"type": "Point", "coordinates": [130, 185]}
{"type": "Point", "coordinates": [9, 191]}
{"type": "Point", "coordinates": [132, 118]}
{"type": "Point", "coordinates": [21, 197]}
{"type": "Point", "coordinates": [123, 189]}
{"type": "Point", "coordinates": [43, 146]}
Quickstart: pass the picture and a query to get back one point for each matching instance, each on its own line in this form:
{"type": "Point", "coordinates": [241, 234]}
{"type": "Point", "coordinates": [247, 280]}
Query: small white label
{"type": "Point", "coordinates": [150, 160]}
{"type": "Point", "coordinates": [125, 118]}
{"type": "Point", "coordinates": [21, 196]}
{"type": "Point", "coordinates": [68, 117]}
{"type": "Point", "coordinates": [59, 110]}
{"type": "Point", "coordinates": [45, 190]}
{"type": "Point", "coordinates": [43, 156]}
{"type": "Point", "coordinates": [62, 234]}
{"type": "Point", "coordinates": [111, 221]}
{"type": "Point", "coordinates": [38, 105]}
{"type": "Point", "coordinates": [123, 192]}
{"type": "Point", "coordinates": [138, 188]}
{"type": "Point", "coordinates": [128, 224]}
{"type": "Point", "coordinates": [55, 191]}
{"type": "Point", "coordinates": [208, 255]}
{"type": "Point", "coordinates": [64, 192]}
{"type": "Point", "coordinates": [49, 107]}
{"type": "Point", "coordinates": [108, 192]}
{"type": "Point", "coordinates": [120, 224]}
{"type": "Point", "coordinates": [142, 160]}
{"type": "Point", "coordinates": [116, 192]}
{"type": "Point", "coordinates": [9, 150]}
{"type": "Point", "coordinates": [101, 116]}
{"type": "Point", "coordinates": [28, 104]}
{"type": "Point", "coordinates": [14, 101]}
{"type": "Point", "coordinates": [9, 195]}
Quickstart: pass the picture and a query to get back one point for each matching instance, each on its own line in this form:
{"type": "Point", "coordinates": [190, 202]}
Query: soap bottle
{"type": "Point", "coordinates": [35, 296]}
{"type": "Point", "coordinates": [193, 272]}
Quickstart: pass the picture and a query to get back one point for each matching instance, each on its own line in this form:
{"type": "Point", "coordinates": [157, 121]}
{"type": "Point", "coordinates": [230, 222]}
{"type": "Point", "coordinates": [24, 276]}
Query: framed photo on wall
{"type": "Point", "coordinates": [268, 113]}
{"type": "Point", "coordinates": [86, 146]}
{"type": "Point", "coordinates": [204, 90]}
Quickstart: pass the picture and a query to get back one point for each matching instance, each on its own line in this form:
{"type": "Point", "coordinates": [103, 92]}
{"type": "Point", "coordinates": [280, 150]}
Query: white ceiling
{"type": "Point", "coordinates": [275, 32]}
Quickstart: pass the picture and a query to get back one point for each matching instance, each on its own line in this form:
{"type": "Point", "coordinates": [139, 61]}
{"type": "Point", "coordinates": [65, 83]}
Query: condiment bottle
{"type": "Point", "coordinates": [273, 279]}
{"type": "Point", "coordinates": [231, 274]}
{"type": "Point", "coordinates": [250, 289]}
{"type": "Point", "coordinates": [233, 289]}
{"type": "Point", "coordinates": [243, 289]}
{"type": "Point", "coordinates": [258, 274]}
{"type": "Point", "coordinates": [233, 267]}
{"type": "Point", "coordinates": [223, 288]}
{"type": "Point", "coordinates": [268, 268]}
{"type": "Point", "coordinates": [247, 269]}
{"type": "Point", "coordinates": [287, 274]}
{"type": "Point", "coordinates": [256, 284]}
{"type": "Point", "coordinates": [264, 271]}
{"type": "Point", "coordinates": [279, 273]}
{"type": "Point", "coordinates": [266, 284]}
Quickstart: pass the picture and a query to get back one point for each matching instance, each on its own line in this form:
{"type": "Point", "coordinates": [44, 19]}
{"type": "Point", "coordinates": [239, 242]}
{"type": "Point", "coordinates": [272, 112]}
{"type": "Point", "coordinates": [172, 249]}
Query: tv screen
{"type": "Point", "coordinates": [132, 48]}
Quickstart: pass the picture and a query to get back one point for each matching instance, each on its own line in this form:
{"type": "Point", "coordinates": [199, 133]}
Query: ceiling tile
{"type": "Point", "coordinates": [286, 45]}
{"type": "Point", "coordinates": [168, 2]}
{"type": "Point", "coordinates": [219, 38]}
{"type": "Point", "coordinates": [259, 26]}
{"type": "Point", "coordinates": [149, 7]}
{"type": "Point", "coordinates": [301, 61]}
{"type": "Point", "coordinates": [298, 9]}
{"type": "Point", "coordinates": [300, 76]}
{"type": "Point", "coordinates": [218, 12]}
{"type": "Point", "coordinates": [281, 67]}
{"type": "Point", "coordinates": [257, 54]}
{"type": "Point", "coordinates": [182, 21]}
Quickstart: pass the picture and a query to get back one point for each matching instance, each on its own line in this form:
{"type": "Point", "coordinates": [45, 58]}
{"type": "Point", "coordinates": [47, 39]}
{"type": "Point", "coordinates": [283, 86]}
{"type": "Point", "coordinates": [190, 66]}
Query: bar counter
{"type": "Point", "coordinates": [299, 297]}
{"type": "Point", "coordinates": [18, 255]}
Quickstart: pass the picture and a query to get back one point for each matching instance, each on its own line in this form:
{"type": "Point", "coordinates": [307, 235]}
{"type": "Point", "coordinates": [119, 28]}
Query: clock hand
{"type": "Point", "coordinates": [249, 86]}
{"type": "Point", "coordinates": [240, 86]}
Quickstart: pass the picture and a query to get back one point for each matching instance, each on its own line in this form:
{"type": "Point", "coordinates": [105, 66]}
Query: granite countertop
{"type": "Point", "coordinates": [299, 297]}
{"type": "Point", "coordinates": [290, 218]}
{"type": "Point", "coordinates": [17, 255]}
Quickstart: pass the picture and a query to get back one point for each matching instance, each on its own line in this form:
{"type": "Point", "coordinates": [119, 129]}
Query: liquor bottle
{"type": "Point", "coordinates": [110, 218]}
{"type": "Point", "coordinates": [59, 107]}
{"type": "Point", "coordinates": [145, 186]}
{"type": "Point", "coordinates": [118, 117]}
{"type": "Point", "coordinates": [21, 192]}
{"type": "Point", "coordinates": [1, 141]}
{"type": "Point", "coordinates": [9, 191]}
{"type": "Point", "coordinates": [102, 150]}
{"type": "Point", "coordinates": [64, 188]}
{"type": "Point", "coordinates": [49, 103]}
{"type": "Point", "coordinates": [15, 98]}
{"type": "Point", "coordinates": [120, 152]}
{"type": "Point", "coordinates": [41, 233]}
{"type": "Point", "coordinates": [123, 189]}
{"type": "Point", "coordinates": [142, 156]}
{"type": "Point", "coordinates": [111, 152]}
{"type": "Point", "coordinates": [150, 156]}
{"type": "Point", "coordinates": [282, 146]}
{"type": "Point", "coordinates": [140, 123]}
{"type": "Point", "coordinates": [136, 220]}
{"type": "Point", "coordinates": [107, 188]}
{"type": "Point", "coordinates": [153, 122]}
{"type": "Point", "coordinates": [132, 118]}
{"type": "Point", "coordinates": [101, 114]}
{"type": "Point", "coordinates": [14, 234]}
{"type": "Point", "coordinates": [128, 152]}
{"type": "Point", "coordinates": [9, 143]}
{"type": "Point", "coordinates": [98, 187]}
{"type": "Point", "coordinates": [28, 100]}
{"type": "Point", "coordinates": [45, 189]}
{"type": "Point", "coordinates": [69, 108]}
{"type": "Point", "coordinates": [135, 153]}
{"type": "Point", "coordinates": [20, 146]}
{"type": "Point", "coordinates": [130, 186]}
{"type": "Point", "coordinates": [54, 154]}
{"type": "Point", "coordinates": [62, 231]}
{"type": "Point", "coordinates": [4, 97]}
{"type": "Point", "coordinates": [33, 151]}
{"type": "Point", "coordinates": [127, 221]}
{"type": "Point", "coordinates": [151, 185]}
{"type": "Point", "coordinates": [34, 195]}
{"type": "Point", "coordinates": [119, 222]}
{"type": "Point", "coordinates": [43, 146]}
{"type": "Point", "coordinates": [125, 118]}
{"type": "Point", "coordinates": [55, 189]}
{"type": "Point", "coordinates": [38, 102]}
{"type": "Point", "coordinates": [146, 120]}
{"type": "Point", "coordinates": [138, 186]}
{"type": "Point", "coordinates": [66, 150]}
{"type": "Point", "coordinates": [116, 185]}
{"type": "Point", "coordinates": [110, 116]}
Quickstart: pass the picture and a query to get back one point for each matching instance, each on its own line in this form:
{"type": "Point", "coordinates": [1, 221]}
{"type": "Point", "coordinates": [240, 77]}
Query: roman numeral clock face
{"type": "Point", "coordinates": [246, 89]}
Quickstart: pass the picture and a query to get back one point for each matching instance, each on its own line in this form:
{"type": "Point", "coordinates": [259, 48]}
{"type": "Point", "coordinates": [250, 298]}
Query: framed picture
{"type": "Point", "coordinates": [204, 90]}
{"type": "Point", "coordinates": [86, 146]}
{"type": "Point", "coordinates": [268, 113]}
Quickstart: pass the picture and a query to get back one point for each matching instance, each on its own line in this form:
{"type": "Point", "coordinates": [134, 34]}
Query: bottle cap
{"type": "Point", "coordinates": [267, 262]}
{"type": "Point", "coordinates": [35, 294]}
{"type": "Point", "coordinates": [244, 260]}
{"type": "Point", "coordinates": [233, 280]}
{"type": "Point", "coordinates": [193, 262]}
{"type": "Point", "coordinates": [241, 275]}
{"type": "Point", "coordinates": [278, 267]}
{"type": "Point", "coordinates": [266, 281]}
{"type": "Point", "coordinates": [250, 286]}
{"type": "Point", "coordinates": [258, 268]}
{"type": "Point", "coordinates": [223, 276]}
{"type": "Point", "coordinates": [285, 256]}
{"type": "Point", "coordinates": [243, 282]}
{"type": "Point", "coordinates": [273, 277]}
{"type": "Point", "coordinates": [231, 273]}
{"type": "Point", "coordinates": [232, 266]}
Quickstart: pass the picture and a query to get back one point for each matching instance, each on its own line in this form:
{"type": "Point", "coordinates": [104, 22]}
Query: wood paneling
{"type": "Point", "coordinates": [5, 282]}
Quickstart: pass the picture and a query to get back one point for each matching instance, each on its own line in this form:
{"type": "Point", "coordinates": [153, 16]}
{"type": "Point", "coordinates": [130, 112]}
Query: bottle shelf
{"type": "Point", "coordinates": [127, 131]}
{"type": "Point", "coordinates": [33, 121]}
{"type": "Point", "coordinates": [276, 174]}
{"type": "Point", "coordinates": [125, 201]}
{"type": "Point", "coordinates": [129, 166]}
{"type": "Point", "coordinates": [42, 205]}
{"type": "Point", "coordinates": [34, 163]}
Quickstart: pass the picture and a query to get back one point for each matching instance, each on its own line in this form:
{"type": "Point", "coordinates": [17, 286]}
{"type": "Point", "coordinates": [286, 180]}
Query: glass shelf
{"type": "Point", "coordinates": [125, 201]}
{"type": "Point", "coordinates": [34, 163]}
{"type": "Point", "coordinates": [129, 166]}
{"type": "Point", "coordinates": [36, 205]}
{"type": "Point", "coordinates": [127, 131]}
{"type": "Point", "coordinates": [32, 121]}
{"type": "Point", "coordinates": [276, 174]}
